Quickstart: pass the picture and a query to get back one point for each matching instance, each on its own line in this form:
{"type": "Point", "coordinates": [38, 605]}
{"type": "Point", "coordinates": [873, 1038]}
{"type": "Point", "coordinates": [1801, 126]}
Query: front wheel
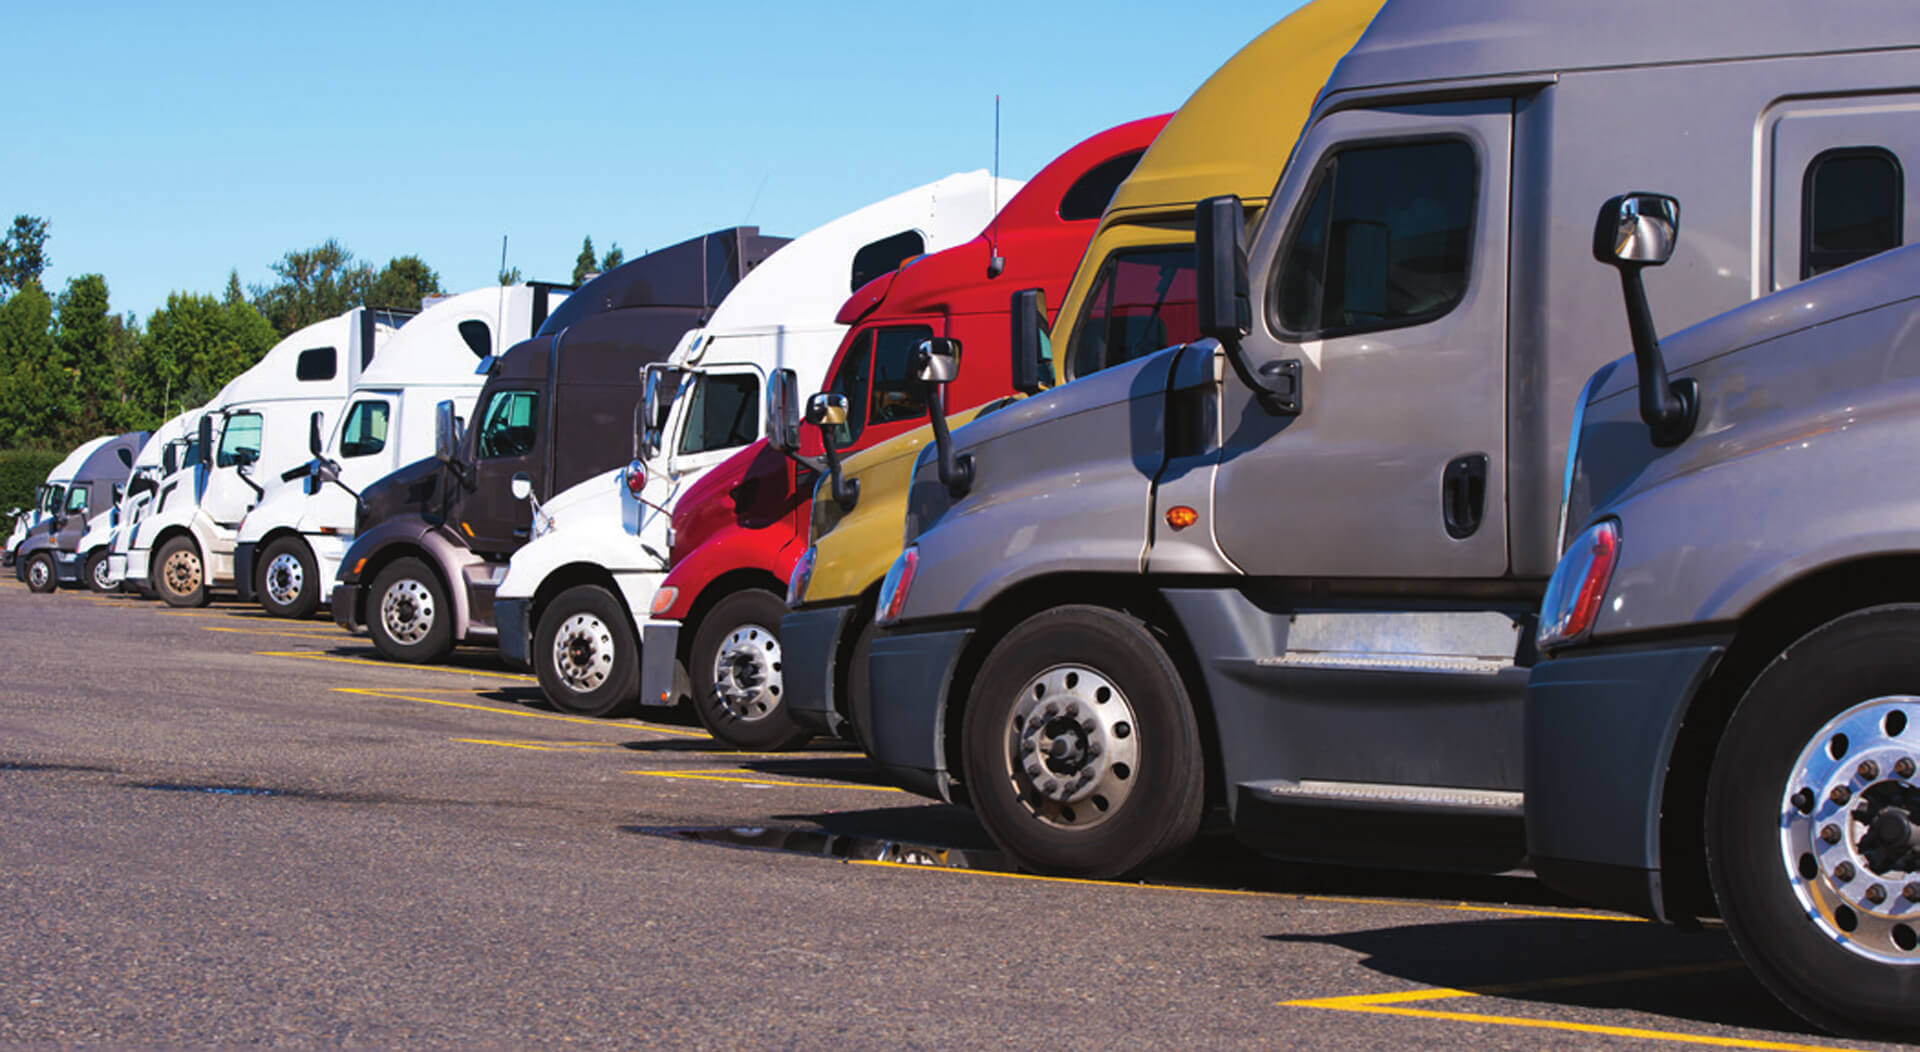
{"type": "Point", "coordinates": [735, 666]}
{"type": "Point", "coordinates": [289, 584]}
{"type": "Point", "coordinates": [40, 572]}
{"type": "Point", "coordinates": [410, 618]}
{"type": "Point", "coordinates": [99, 573]}
{"type": "Point", "coordinates": [182, 578]}
{"type": "Point", "coordinates": [1813, 825]}
{"type": "Point", "coordinates": [585, 653]}
{"type": "Point", "coordinates": [1080, 747]}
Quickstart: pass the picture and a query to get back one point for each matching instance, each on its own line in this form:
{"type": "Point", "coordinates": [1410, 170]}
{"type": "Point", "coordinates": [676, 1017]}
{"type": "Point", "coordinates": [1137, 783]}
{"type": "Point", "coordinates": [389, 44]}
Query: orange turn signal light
{"type": "Point", "coordinates": [1180, 516]}
{"type": "Point", "coordinates": [359, 565]}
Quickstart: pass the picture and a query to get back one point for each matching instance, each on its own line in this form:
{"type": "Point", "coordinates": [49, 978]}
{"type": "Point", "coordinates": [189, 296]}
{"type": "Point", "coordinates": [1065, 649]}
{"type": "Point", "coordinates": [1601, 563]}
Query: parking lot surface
{"type": "Point", "coordinates": [218, 828]}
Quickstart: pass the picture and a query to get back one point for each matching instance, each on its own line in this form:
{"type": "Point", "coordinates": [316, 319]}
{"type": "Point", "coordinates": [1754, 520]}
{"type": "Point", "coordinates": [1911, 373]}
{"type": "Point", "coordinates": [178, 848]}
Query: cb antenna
{"type": "Point", "coordinates": [998, 262]}
{"type": "Point", "coordinates": [500, 307]}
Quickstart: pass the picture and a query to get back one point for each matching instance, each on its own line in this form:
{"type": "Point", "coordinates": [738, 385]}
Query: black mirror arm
{"type": "Point", "coordinates": [955, 473]}
{"type": "Point", "coordinates": [1669, 409]}
{"type": "Point", "coordinates": [846, 492]}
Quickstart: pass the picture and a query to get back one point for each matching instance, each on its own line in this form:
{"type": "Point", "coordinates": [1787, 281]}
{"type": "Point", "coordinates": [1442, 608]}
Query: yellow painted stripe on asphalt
{"type": "Point", "coordinates": [1350, 900]}
{"type": "Point", "coordinates": [1389, 1004]}
{"type": "Point", "coordinates": [288, 633]}
{"type": "Point", "coordinates": [609, 724]}
{"type": "Point", "coordinates": [540, 746]}
{"type": "Point", "coordinates": [732, 776]}
{"type": "Point", "coordinates": [451, 669]}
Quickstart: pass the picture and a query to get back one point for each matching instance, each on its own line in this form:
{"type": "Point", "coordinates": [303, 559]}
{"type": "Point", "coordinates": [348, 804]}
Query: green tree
{"type": "Point", "coordinates": [235, 294]}
{"type": "Point", "coordinates": [36, 387]}
{"type": "Point", "coordinates": [614, 258]}
{"type": "Point", "coordinates": [402, 284]}
{"type": "Point", "coordinates": [584, 263]}
{"type": "Point", "coordinates": [510, 276]}
{"type": "Point", "coordinates": [192, 347]}
{"type": "Point", "coordinates": [83, 334]}
{"type": "Point", "coordinates": [23, 253]}
{"type": "Point", "coordinates": [315, 284]}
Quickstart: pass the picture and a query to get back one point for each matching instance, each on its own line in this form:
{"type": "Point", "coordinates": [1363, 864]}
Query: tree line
{"type": "Point", "coordinates": [72, 368]}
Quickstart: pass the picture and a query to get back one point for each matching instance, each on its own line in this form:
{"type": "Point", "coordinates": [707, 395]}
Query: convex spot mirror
{"type": "Point", "coordinates": [521, 485]}
{"type": "Point", "coordinates": [1638, 229]}
{"type": "Point", "coordinates": [937, 361]}
{"type": "Point", "coordinates": [446, 431]}
{"type": "Point", "coordinates": [783, 410]}
{"type": "Point", "coordinates": [827, 410]}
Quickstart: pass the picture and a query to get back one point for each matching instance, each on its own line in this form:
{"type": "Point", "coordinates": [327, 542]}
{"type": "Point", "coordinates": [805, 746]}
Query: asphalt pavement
{"type": "Point", "coordinates": [218, 828]}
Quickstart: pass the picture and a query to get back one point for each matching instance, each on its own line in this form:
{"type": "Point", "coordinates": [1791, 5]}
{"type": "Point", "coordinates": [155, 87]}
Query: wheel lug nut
{"type": "Point", "coordinates": [1840, 795]}
{"type": "Point", "coordinates": [1911, 893]}
{"type": "Point", "coordinates": [1903, 767]}
{"type": "Point", "coordinates": [1033, 770]}
{"type": "Point", "coordinates": [1876, 894]}
{"type": "Point", "coordinates": [1843, 872]}
{"type": "Point", "coordinates": [1050, 787]}
{"type": "Point", "coordinates": [1088, 726]}
{"type": "Point", "coordinates": [1093, 750]}
{"type": "Point", "coordinates": [1868, 770]}
{"type": "Point", "coordinates": [1830, 834]}
{"type": "Point", "coordinates": [1803, 801]}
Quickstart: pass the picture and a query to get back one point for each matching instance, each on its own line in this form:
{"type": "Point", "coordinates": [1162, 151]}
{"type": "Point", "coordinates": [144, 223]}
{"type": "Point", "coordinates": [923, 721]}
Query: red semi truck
{"type": "Point", "coordinates": [739, 530]}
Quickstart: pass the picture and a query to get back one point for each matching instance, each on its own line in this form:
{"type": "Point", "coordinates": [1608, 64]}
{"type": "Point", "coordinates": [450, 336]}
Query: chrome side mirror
{"type": "Point", "coordinates": [937, 361]}
{"type": "Point", "coordinates": [521, 485]}
{"type": "Point", "coordinates": [1638, 229]}
{"type": "Point", "coordinates": [446, 432]}
{"type": "Point", "coordinates": [827, 410]}
{"type": "Point", "coordinates": [1633, 232]}
{"type": "Point", "coordinates": [783, 411]}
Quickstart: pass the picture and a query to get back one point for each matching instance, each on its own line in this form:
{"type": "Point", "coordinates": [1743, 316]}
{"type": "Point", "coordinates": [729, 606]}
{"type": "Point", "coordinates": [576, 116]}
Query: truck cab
{"type": "Point", "coordinates": [290, 544]}
{"type": "Point", "coordinates": [432, 539]}
{"type": "Point", "coordinates": [576, 596]}
{"type": "Point", "coordinates": [1131, 295]}
{"type": "Point", "coordinates": [88, 482]}
{"type": "Point", "coordinates": [1291, 569]}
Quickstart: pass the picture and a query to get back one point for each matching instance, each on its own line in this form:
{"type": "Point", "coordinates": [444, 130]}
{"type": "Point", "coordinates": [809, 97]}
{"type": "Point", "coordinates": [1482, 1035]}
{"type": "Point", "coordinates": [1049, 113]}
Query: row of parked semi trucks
{"type": "Point", "coordinates": [1316, 469]}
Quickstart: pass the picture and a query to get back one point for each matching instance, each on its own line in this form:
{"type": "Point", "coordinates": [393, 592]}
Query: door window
{"type": "Point", "coordinates": [852, 380]}
{"type": "Point", "coordinates": [1383, 241]}
{"type": "Point", "coordinates": [241, 439]}
{"type": "Point", "coordinates": [724, 413]}
{"type": "Point", "coordinates": [77, 500]}
{"type": "Point", "coordinates": [1850, 207]}
{"type": "Point", "coordinates": [897, 395]}
{"type": "Point", "coordinates": [507, 427]}
{"type": "Point", "coordinates": [366, 429]}
{"type": "Point", "coordinates": [1142, 301]}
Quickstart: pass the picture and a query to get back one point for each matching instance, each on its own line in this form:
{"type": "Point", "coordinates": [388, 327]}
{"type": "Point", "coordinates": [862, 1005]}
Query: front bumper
{"type": "Point", "coordinates": [243, 570]}
{"type": "Point", "coordinates": [809, 660]}
{"type": "Point", "coordinates": [515, 638]}
{"type": "Point", "coordinates": [909, 675]}
{"type": "Point", "coordinates": [1600, 729]}
{"type": "Point", "coordinates": [345, 605]}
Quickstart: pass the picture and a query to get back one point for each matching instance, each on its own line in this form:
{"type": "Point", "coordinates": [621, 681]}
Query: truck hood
{"type": "Point", "coordinates": [411, 489]}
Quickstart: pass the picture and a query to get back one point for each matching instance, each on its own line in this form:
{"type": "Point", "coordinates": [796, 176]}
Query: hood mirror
{"type": "Point", "coordinates": [521, 485]}
{"type": "Point", "coordinates": [1633, 232]}
{"type": "Point", "coordinates": [829, 413]}
{"type": "Point", "coordinates": [935, 364]}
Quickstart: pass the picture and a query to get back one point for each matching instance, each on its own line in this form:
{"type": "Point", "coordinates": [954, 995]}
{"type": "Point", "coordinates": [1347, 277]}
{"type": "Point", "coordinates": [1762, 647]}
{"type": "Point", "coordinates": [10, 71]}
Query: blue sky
{"type": "Point", "coordinates": [167, 144]}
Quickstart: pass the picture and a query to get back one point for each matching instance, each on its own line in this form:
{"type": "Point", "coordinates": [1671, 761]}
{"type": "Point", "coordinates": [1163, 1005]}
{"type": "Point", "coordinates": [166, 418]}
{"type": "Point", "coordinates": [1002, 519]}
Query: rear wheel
{"type": "Point", "coordinates": [409, 617]}
{"type": "Point", "coordinates": [180, 577]}
{"type": "Point", "coordinates": [585, 653]}
{"type": "Point", "coordinates": [39, 572]}
{"type": "Point", "coordinates": [1080, 747]}
{"type": "Point", "coordinates": [99, 573]}
{"type": "Point", "coordinates": [1813, 825]}
{"type": "Point", "coordinates": [737, 682]}
{"type": "Point", "coordinates": [289, 584]}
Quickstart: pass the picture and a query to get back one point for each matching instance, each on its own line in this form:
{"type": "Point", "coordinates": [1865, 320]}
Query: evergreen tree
{"type": "Point", "coordinates": [402, 284]}
{"type": "Point", "coordinates": [584, 264]}
{"type": "Point", "coordinates": [36, 388]}
{"type": "Point", "coordinates": [614, 258]}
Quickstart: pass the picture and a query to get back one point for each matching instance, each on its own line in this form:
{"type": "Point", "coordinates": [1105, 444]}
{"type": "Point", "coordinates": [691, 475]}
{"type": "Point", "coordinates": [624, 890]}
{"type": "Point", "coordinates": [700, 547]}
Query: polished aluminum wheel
{"type": "Point", "coordinates": [38, 574]}
{"type": "Point", "coordinates": [746, 672]}
{"type": "Point", "coordinates": [1072, 747]}
{"type": "Point", "coordinates": [285, 579]}
{"type": "Point", "coordinates": [103, 579]}
{"type": "Point", "coordinates": [407, 611]}
{"type": "Point", "coordinates": [1850, 829]}
{"type": "Point", "coordinates": [181, 572]}
{"type": "Point", "coordinates": [583, 652]}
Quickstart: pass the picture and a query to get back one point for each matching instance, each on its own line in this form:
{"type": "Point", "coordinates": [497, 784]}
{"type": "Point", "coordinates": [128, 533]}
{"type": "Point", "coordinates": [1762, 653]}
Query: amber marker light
{"type": "Point", "coordinates": [358, 566]}
{"type": "Point", "coordinates": [1180, 516]}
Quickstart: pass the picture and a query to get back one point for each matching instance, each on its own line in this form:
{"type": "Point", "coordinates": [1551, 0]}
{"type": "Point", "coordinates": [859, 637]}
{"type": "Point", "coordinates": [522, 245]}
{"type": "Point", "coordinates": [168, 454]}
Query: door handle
{"type": "Point", "coordinates": [1463, 494]}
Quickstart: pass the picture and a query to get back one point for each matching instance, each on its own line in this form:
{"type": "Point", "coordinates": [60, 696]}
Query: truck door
{"type": "Point", "coordinates": [75, 525]}
{"type": "Point", "coordinates": [227, 496]}
{"type": "Point", "coordinates": [1381, 269]}
{"type": "Point", "coordinates": [716, 413]}
{"type": "Point", "coordinates": [506, 441]}
{"type": "Point", "coordinates": [366, 455]}
{"type": "Point", "coordinates": [876, 376]}
{"type": "Point", "coordinates": [1840, 173]}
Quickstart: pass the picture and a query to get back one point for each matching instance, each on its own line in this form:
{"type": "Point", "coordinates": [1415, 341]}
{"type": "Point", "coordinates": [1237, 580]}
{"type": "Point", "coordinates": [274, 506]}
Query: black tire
{"type": "Point", "coordinates": [1122, 794]}
{"type": "Point", "coordinates": [179, 574]}
{"type": "Point", "coordinates": [288, 580]}
{"type": "Point", "coordinates": [408, 613]}
{"type": "Point", "coordinates": [39, 573]}
{"type": "Point", "coordinates": [586, 655]}
{"type": "Point", "coordinates": [1831, 678]}
{"type": "Point", "coordinates": [95, 573]}
{"type": "Point", "coordinates": [859, 693]}
{"type": "Point", "coordinates": [734, 664]}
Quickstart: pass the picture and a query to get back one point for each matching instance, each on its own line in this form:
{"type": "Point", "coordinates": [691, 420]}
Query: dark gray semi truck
{"type": "Point", "coordinates": [49, 555]}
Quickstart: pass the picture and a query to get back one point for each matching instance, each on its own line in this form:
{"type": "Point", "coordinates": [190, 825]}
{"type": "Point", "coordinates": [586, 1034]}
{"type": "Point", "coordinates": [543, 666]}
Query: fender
{"type": "Point", "coordinates": [733, 549]}
{"type": "Point", "coordinates": [606, 544]}
{"type": "Point", "coordinates": [411, 534]}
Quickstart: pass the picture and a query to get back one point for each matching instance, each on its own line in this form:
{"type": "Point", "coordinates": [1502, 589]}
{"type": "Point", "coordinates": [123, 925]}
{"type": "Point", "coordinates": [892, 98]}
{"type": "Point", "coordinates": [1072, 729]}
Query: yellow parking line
{"type": "Point", "coordinates": [609, 724]}
{"type": "Point", "coordinates": [1390, 1004]}
{"type": "Point", "coordinates": [732, 775]}
{"type": "Point", "coordinates": [289, 633]}
{"type": "Point", "coordinates": [539, 746]}
{"type": "Point", "coordinates": [1350, 900]}
{"type": "Point", "coordinates": [451, 669]}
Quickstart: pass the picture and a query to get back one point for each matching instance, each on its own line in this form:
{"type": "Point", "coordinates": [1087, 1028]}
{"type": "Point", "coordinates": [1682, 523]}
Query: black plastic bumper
{"type": "Point", "coordinates": [243, 570]}
{"type": "Point", "coordinates": [1600, 728]}
{"type": "Point", "coordinates": [515, 639]}
{"type": "Point", "coordinates": [809, 652]}
{"type": "Point", "coordinates": [67, 567]}
{"type": "Point", "coordinates": [346, 606]}
{"type": "Point", "coordinates": [909, 676]}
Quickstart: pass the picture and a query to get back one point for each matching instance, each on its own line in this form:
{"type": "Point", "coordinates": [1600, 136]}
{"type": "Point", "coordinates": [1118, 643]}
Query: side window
{"type": "Point", "coordinates": [1142, 301]}
{"type": "Point", "coordinates": [1851, 207]}
{"type": "Point", "coordinates": [724, 413]}
{"type": "Point", "coordinates": [896, 394]}
{"type": "Point", "coordinates": [1383, 242]}
{"type": "Point", "coordinates": [240, 440]}
{"type": "Point", "coordinates": [478, 337]}
{"type": "Point", "coordinates": [366, 429]}
{"type": "Point", "coordinates": [1087, 198]}
{"type": "Point", "coordinates": [316, 364]}
{"type": "Point", "coordinates": [852, 379]}
{"type": "Point", "coordinates": [507, 425]}
{"type": "Point", "coordinates": [77, 500]}
{"type": "Point", "coordinates": [880, 257]}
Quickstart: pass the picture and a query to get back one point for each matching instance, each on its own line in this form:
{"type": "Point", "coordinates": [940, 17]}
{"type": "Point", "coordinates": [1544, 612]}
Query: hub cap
{"type": "Point", "coordinates": [1850, 830]}
{"type": "Point", "coordinates": [407, 611]}
{"type": "Point", "coordinates": [181, 572]}
{"type": "Point", "coordinates": [746, 672]}
{"type": "Point", "coordinates": [285, 579]}
{"type": "Point", "coordinates": [37, 573]}
{"type": "Point", "coordinates": [583, 652]}
{"type": "Point", "coordinates": [1073, 747]}
{"type": "Point", "coordinates": [102, 574]}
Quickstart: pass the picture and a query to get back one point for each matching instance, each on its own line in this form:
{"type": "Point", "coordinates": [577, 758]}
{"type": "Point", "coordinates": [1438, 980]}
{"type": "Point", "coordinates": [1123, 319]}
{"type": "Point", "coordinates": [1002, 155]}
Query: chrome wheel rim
{"type": "Point", "coordinates": [285, 578]}
{"type": "Point", "coordinates": [1072, 747]}
{"type": "Point", "coordinates": [37, 573]}
{"type": "Point", "coordinates": [181, 572]}
{"type": "Point", "coordinates": [102, 574]}
{"type": "Point", "coordinates": [406, 611]}
{"type": "Point", "coordinates": [746, 673]}
{"type": "Point", "coordinates": [583, 653]}
{"type": "Point", "coordinates": [1850, 830]}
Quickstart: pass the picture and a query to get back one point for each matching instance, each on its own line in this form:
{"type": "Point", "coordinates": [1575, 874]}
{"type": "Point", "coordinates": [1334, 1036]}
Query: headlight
{"type": "Point", "coordinates": [800, 578]}
{"type": "Point", "coordinates": [1578, 586]}
{"type": "Point", "coordinates": [893, 590]}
